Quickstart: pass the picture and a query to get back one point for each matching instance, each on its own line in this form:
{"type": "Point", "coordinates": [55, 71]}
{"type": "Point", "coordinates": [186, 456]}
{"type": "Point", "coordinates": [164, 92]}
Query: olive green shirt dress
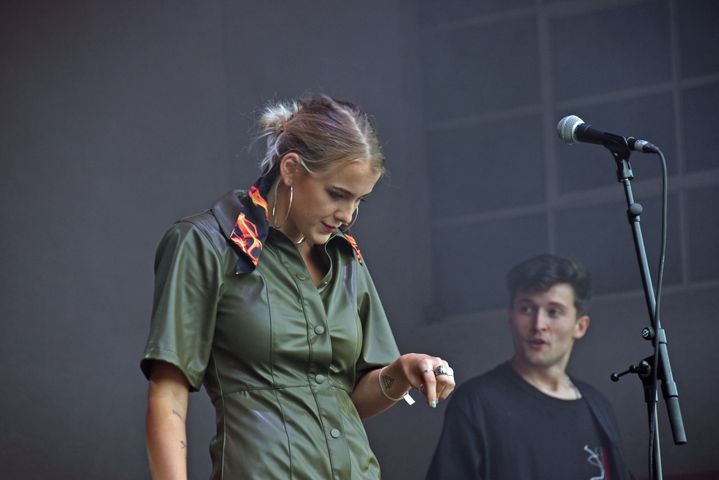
{"type": "Point", "coordinates": [235, 309]}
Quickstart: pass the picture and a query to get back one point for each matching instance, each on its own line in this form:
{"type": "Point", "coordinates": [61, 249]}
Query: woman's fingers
{"type": "Point", "coordinates": [445, 382]}
{"type": "Point", "coordinates": [437, 380]}
{"type": "Point", "coordinates": [431, 375]}
{"type": "Point", "coordinates": [429, 382]}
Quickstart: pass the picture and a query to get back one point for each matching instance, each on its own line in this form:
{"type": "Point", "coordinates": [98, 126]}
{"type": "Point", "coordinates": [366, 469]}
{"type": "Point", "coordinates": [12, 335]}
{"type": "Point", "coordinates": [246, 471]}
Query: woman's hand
{"type": "Point", "coordinates": [381, 388]}
{"type": "Point", "coordinates": [430, 375]}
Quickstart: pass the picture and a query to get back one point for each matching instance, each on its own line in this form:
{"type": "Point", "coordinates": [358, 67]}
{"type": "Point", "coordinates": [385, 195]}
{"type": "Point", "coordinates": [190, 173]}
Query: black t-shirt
{"type": "Point", "coordinates": [498, 427]}
{"type": "Point", "coordinates": [557, 438]}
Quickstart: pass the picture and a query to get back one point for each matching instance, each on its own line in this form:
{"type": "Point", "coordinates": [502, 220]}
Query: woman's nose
{"type": "Point", "coordinates": [344, 214]}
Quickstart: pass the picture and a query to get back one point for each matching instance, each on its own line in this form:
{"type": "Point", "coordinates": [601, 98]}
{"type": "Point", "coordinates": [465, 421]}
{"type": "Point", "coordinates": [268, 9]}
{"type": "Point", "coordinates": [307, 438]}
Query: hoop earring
{"type": "Point", "coordinates": [289, 206]}
{"type": "Point", "coordinates": [355, 214]}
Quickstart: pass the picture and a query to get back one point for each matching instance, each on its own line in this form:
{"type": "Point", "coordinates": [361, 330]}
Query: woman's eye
{"type": "Point", "coordinates": [336, 195]}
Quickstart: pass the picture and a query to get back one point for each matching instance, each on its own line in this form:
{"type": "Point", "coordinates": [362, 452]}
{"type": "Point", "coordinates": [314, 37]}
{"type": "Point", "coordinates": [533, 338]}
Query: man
{"type": "Point", "coordinates": [527, 419]}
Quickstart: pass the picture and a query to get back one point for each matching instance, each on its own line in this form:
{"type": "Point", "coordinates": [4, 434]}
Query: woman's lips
{"type": "Point", "coordinates": [328, 228]}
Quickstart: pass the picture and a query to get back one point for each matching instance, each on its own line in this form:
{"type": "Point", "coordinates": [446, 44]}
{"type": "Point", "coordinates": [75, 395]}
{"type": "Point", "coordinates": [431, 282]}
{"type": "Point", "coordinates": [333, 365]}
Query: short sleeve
{"type": "Point", "coordinates": [187, 284]}
{"type": "Point", "coordinates": [378, 344]}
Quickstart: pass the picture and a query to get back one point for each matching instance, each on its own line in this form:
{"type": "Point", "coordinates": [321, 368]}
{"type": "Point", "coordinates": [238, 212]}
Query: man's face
{"type": "Point", "coordinates": [545, 326]}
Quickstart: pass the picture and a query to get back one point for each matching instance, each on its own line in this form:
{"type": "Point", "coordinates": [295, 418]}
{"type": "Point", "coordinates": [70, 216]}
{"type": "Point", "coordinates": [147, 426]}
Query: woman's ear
{"type": "Point", "coordinates": [290, 168]}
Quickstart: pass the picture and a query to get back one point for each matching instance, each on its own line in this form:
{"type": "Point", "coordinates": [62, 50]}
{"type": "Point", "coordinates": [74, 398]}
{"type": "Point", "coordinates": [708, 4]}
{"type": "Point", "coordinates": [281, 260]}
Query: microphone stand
{"type": "Point", "coordinates": [655, 333]}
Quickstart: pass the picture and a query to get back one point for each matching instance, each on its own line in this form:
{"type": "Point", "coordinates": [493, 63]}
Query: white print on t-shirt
{"type": "Point", "coordinates": [595, 458]}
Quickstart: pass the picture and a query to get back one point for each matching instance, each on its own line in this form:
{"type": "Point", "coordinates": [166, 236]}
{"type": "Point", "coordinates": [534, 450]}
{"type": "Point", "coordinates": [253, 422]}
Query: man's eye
{"type": "Point", "coordinates": [525, 309]}
{"type": "Point", "coordinates": [555, 313]}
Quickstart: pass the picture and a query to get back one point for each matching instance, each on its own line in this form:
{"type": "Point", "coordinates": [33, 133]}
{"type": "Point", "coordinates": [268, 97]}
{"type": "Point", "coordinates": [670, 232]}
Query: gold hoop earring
{"type": "Point", "coordinates": [289, 207]}
{"type": "Point", "coordinates": [347, 227]}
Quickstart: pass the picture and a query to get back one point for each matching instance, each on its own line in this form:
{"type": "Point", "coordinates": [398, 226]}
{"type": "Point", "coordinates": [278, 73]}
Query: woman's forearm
{"type": "Point", "coordinates": [165, 428]}
{"type": "Point", "coordinates": [368, 395]}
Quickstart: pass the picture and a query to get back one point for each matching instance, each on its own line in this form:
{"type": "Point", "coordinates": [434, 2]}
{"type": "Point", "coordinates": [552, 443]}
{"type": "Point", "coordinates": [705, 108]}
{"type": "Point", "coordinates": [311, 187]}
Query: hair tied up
{"type": "Point", "coordinates": [322, 131]}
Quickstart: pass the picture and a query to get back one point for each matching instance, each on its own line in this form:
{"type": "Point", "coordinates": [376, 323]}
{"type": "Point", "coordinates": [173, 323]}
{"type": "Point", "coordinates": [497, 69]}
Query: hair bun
{"type": "Point", "coordinates": [274, 118]}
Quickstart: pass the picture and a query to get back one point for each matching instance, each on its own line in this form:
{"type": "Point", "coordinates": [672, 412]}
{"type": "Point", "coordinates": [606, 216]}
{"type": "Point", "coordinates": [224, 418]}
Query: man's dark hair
{"type": "Point", "coordinates": [540, 273]}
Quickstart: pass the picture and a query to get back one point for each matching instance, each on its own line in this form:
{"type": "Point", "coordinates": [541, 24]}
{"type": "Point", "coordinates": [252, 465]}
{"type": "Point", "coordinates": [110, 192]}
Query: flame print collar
{"type": "Point", "coordinates": [245, 221]}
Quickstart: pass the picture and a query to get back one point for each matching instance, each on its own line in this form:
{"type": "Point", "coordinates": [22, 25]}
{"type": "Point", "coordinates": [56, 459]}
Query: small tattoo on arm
{"type": "Point", "coordinates": [184, 445]}
{"type": "Point", "coordinates": [387, 381]}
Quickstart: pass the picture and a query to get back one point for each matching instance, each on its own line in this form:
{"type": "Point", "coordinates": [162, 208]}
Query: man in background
{"type": "Point", "coordinates": [526, 418]}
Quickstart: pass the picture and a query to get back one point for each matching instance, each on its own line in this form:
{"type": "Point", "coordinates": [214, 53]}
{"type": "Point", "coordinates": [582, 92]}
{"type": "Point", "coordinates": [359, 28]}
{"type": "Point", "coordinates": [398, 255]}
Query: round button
{"type": "Point", "coordinates": [319, 378]}
{"type": "Point", "coordinates": [319, 329]}
{"type": "Point", "coordinates": [335, 433]}
{"type": "Point", "coordinates": [302, 276]}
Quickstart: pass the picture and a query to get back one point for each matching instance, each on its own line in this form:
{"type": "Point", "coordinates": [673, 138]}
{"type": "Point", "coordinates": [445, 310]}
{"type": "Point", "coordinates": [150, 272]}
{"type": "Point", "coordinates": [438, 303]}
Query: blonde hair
{"type": "Point", "coordinates": [322, 131]}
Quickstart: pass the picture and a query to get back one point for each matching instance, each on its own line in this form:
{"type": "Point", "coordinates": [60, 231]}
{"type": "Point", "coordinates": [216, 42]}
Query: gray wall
{"type": "Point", "coordinates": [118, 117]}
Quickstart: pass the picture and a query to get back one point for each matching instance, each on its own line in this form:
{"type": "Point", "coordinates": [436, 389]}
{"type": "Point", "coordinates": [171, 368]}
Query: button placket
{"type": "Point", "coordinates": [313, 303]}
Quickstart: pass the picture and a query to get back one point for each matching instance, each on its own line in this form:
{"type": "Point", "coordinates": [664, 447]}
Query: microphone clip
{"type": "Point", "coordinates": [643, 369]}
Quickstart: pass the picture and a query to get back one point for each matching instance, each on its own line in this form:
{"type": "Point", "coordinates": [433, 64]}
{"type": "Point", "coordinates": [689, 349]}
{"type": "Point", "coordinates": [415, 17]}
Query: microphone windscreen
{"type": "Point", "coordinates": [567, 126]}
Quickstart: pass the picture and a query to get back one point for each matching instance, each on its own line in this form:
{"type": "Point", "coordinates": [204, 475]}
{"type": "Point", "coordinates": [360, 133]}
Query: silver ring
{"type": "Point", "coordinates": [440, 370]}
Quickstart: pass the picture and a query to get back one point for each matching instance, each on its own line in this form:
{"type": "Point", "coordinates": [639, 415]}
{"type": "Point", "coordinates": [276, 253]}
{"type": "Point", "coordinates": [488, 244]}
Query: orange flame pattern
{"type": "Point", "coordinates": [353, 243]}
{"type": "Point", "coordinates": [248, 240]}
{"type": "Point", "coordinates": [258, 199]}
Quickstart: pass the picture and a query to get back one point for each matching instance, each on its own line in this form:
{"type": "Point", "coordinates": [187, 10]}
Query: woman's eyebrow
{"type": "Point", "coordinates": [349, 192]}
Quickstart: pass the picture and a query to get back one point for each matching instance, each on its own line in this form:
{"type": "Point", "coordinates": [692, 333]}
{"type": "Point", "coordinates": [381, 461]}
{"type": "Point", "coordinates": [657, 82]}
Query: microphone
{"type": "Point", "coordinates": [572, 129]}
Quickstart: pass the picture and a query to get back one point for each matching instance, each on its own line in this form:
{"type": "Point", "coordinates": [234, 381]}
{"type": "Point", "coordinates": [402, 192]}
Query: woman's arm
{"type": "Point", "coordinates": [165, 423]}
{"type": "Point", "coordinates": [408, 371]}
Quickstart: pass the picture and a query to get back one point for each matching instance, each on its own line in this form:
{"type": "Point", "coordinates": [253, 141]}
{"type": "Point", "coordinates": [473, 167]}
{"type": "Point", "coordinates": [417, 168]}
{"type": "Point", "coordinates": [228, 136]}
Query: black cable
{"type": "Point", "coordinates": [655, 315]}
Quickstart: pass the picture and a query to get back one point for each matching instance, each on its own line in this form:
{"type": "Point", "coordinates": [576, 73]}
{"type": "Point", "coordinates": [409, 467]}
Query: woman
{"type": "Point", "coordinates": [266, 299]}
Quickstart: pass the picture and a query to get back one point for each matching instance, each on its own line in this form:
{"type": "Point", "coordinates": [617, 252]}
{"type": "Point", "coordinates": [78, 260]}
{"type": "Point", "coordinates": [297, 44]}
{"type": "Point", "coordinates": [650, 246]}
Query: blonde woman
{"type": "Point", "coordinates": [266, 300]}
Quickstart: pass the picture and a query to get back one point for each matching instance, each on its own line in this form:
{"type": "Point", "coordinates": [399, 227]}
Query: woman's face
{"type": "Point", "coordinates": [325, 200]}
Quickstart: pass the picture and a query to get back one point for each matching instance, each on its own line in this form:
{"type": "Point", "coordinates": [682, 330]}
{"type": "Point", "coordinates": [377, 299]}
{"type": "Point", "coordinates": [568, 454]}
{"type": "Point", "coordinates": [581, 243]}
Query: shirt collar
{"type": "Point", "coordinates": [244, 220]}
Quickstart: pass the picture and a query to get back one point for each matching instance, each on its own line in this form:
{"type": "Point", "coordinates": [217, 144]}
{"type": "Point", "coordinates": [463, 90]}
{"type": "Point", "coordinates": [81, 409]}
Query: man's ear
{"type": "Point", "coordinates": [290, 168]}
{"type": "Point", "coordinates": [580, 328]}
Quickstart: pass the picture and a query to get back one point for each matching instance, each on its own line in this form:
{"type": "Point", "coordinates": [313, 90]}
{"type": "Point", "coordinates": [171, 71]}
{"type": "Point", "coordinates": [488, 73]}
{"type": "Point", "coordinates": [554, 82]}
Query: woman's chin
{"type": "Point", "coordinates": [320, 237]}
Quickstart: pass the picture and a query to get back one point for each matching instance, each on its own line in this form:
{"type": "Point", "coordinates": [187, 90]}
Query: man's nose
{"type": "Point", "coordinates": [540, 320]}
